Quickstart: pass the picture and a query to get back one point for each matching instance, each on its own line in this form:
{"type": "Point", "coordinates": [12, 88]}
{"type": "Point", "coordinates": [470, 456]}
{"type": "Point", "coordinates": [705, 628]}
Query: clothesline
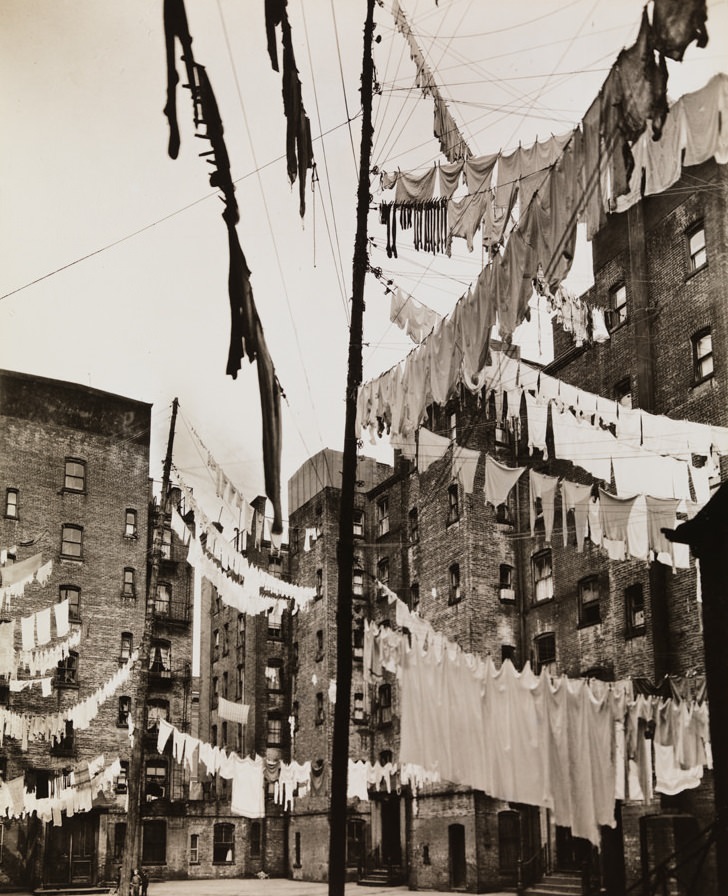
{"type": "Point", "coordinates": [16, 576]}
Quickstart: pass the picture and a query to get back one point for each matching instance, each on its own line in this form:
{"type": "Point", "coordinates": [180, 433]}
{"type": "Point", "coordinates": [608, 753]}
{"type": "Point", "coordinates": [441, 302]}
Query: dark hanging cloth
{"type": "Point", "coordinates": [220, 175]}
{"type": "Point", "coordinates": [635, 90]}
{"type": "Point", "coordinates": [676, 23]}
{"type": "Point", "coordinates": [246, 338]}
{"type": "Point", "coordinates": [274, 12]}
{"type": "Point", "coordinates": [176, 28]}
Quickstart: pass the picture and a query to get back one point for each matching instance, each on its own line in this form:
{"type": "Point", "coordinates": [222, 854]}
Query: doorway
{"type": "Point", "coordinates": [572, 853]}
{"type": "Point", "coordinates": [391, 842]}
{"type": "Point", "coordinates": [71, 851]}
{"type": "Point", "coordinates": [456, 852]}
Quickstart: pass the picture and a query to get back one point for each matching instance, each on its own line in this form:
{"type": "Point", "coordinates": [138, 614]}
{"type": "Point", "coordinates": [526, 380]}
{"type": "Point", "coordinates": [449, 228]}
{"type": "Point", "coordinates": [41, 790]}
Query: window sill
{"type": "Point", "coordinates": [76, 561]}
{"type": "Point", "coordinates": [15, 519]}
{"type": "Point", "coordinates": [128, 537]}
{"type": "Point", "coordinates": [452, 602]}
{"type": "Point", "coordinates": [706, 379]}
{"type": "Point", "coordinates": [450, 523]}
{"type": "Point", "coordinates": [690, 274]}
{"type": "Point", "coordinates": [73, 491]}
{"type": "Point", "coordinates": [635, 633]}
{"type": "Point", "coordinates": [541, 603]}
{"type": "Point", "coordinates": [66, 685]}
{"type": "Point", "coordinates": [588, 624]}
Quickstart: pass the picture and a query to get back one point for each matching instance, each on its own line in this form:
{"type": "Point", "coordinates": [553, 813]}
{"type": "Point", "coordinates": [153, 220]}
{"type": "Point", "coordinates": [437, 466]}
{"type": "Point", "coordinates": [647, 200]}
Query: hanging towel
{"type": "Point", "coordinates": [415, 187]}
{"type": "Point", "coordinates": [430, 448]}
{"type": "Point", "coordinates": [543, 487]}
{"type": "Point", "coordinates": [661, 514]}
{"type": "Point", "coordinates": [247, 798]}
{"type": "Point", "coordinates": [233, 712]}
{"type": "Point", "coordinates": [464, 464]}
{"type": "Point", "coordinates": [449, 178]}
{"type": "Point", "coordinates": [43, 625]}
{"type": "Point", "coordinates": [537, 413]}
{"type": "Point", "coordinates": [614, 516]}
{"type": "Point", "coordinates": [61, 613]}
{"type": "Point", "coordinates": [499, 480]}
{"type": "Point", "coordinates": [575, 497]}
{"type": "Point", "coordinates": [27, 631]}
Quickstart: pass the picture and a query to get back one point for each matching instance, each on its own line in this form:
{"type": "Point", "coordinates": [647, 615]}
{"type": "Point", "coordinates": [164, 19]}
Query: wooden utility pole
{"type": "Point", "coordinates": [130, 859]}
{"type": "Point", "coordinates": [345, 547]}
{"type": "Point", "coordinates": [707, 535]}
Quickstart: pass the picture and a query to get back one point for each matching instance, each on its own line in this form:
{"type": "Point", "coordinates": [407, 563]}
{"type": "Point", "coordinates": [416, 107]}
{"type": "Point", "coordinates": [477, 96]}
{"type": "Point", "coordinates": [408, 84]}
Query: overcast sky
{"type": "Point", "coordinates": [114, 257]}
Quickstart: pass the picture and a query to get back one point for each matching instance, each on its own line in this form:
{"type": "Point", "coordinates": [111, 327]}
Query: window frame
{"type": "Point", "coordinates": [220, 843]}
{"type": "Point", "coordinates": [634, 629]}
{"type": "Point", "coordinates": [319, 709]}
{"type": "Point", "coordinates": [383, 574]}
{"type": "Point", "coordinates": [453, 503]}
{"type": "Point", "coordinates": [694, 265]}
{"type": "Point", "coordinates": [587, 614]}
{"type": "Point", "coordinates": [67, 671]}
{"type": "Point", "coordinates": [67, 528]}
{"type": "Point", "coordinates": [68, 476]}
{"type": "Point", "coordinates": [618, 310]}
{"type": "Point", "coordinates": [131, 529]}
{"type": "Point", "coordinates": [383, 516]}
{"type": "Point", "coordinates": [126, 647]}
{"type": "Point", "coordinates": [384, 705]}
{"type": "Point", "coordinates": [538, 661]}
{"type": "Point", "coordinates": [124, 711]}
{"type": "Point", "coordinates": [357, 582]}
{"type": "Point", "coordinates": [274, 730]}
{"type": "Point", "coordinates": [455, 585]}
{"type": "Point", "coordinates": [535, 565]}
{"type": "Point", "coordinates": [154, 841]}
{"type": "Point", "coordinates": [74, 605]}
{"type": "Point", "coordinates": [413, 525]}
{"type": "Point", "coordinates": [319, 583]}
{"type": "Point", "coordinates": [357, 525]}
{"type": "Point", "coordinates": [194, 849]}
{"type": "Point", "coordinates": [698, 360]}
{"type": "Point", "coordinates": [160, 763]}
{"type": "Point", "coordinates": [15, 515]}
{"type": "Point", "coordinates": [128, 584]}
{"type": "Point", "coordinates": [414, 595]}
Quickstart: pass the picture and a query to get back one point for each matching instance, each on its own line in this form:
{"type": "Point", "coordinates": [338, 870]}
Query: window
{"type": "Point", "coordinates": [297, 850]}
{"type": "Point", "coordinates": [215, 696]}
{"type": "Point", "coordinates": [453, 503]}
{"type": "Point", "coordinates": [240, 634]}
{"type": "Point", "coordinates": [505, 582]}
{"type": "Point", "coordinates": [160, 659]}
{"type": "Point", "coordinates": [414, 526]}
{"type": "Point", "coordinates": [623, 392]}
{"type": "Point", "coordinates": [157, 711]}
{"type": "Point", "coordinates": [294, 657]}
{"type": "Point", "coordinates": [357, 638]}
{"type": "Point", "coordinates": [274, 673]}
{"type": "Point", "coordinates": [125, 648]}
{"type": "Point", "coordinates": [696, 247]}
{"type": "Point", "coordinates": [634, 601]}
{"type": "Point", "coordinates": [543, 576]}
{"type": "Point", "coordinates": [216, 644]}
{"type": "Point", "coordinates": [319, 583]}
{"type": "Point", "coordinates": [154, 842]}
{"type": "Point", "coordinates": [385, 705]}
{"type": "Point", "coordinates": [156, 783]}
{"type": "Point", "coordinates": [357, 582]}
{"type": "Point", "coordinates": [240, 683]}
{"type": "Point", "coordinates": [383, 516]}
{"type": "Point", "coordinates": [75, 475]}
{"type": "Point", "coordinates": [72, 542]}
{"type": "Point", "coordinates": [67, 671]}
{"type": "Point", "coordinates": [702, 355]}
{"type": "Point", "coordinates": [544, 652]}
{"type": "Point", "coordinates": [223, 844]}
{"type": "Point", "coordinates": [163, 600]}
{"type": "Point", "coordinates": [319, 708]}
{"type": "Point", "coordinates": [275, 622]}
{"type": "Point", "coordinates": [130, 524]}
{"type": "Point", "coordinates": [119, 837]}
{"type": "Point", "coordinates": [256, 839]}
{"type": "Point", "coordinates": [358, 524]}
{"type": "Point", "coordinates": [213, 735]}
{"type": "Point", "coordinates": [194, 849]}
{"type": "Point", "coordinates": [617, 306]}
{"type": "Point", "coordinates": [73, 595]}
{"type": "Point", "coordinates": [122, 720]}
{"type": "Point", "coordinates": [223, 734]}
{"type": "Point", "coordinates": [275, 566]}
{"type": "Point", "coordinates": [453, 434]}
{"type": "Point", "coordinates": [319, 645]}
{"type": "Point", "coordinates": [225, 685]}
{"type": "Point", "coordinates": [296, 715]}
{"type": "Point", "coordinates": [129, 586]}
{"type": "Point", "coordinates": [166, 543]}
{"type": "Point", "coordinates": [414, 600]}
{"type": "Point", "coordinates": [456, 594]}
{"type": "Point", "coordinates": [358, 713]}
{"type": "Point", "coordinates": [11, 503]}
{"type": "Point", "coordinates": [64, 746]}
{"type": "Point", "coordinates": [508, 652]}
{"type": "Point", "coordinates": [383, 574]}
{"type": "Point", "coordinates": [589, 612]}
{"type": "Point", "coordinates": [275, 731]}
{"type": "Point", "coordinates": [226, 639]}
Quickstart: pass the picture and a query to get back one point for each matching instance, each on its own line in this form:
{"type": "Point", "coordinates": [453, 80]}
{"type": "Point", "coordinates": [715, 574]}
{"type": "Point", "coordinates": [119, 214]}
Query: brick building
{"type": "Point", "coordinates": [75, 485]}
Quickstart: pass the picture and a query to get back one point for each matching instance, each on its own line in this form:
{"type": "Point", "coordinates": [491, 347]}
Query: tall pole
{"type": "Point", "coordinates": [345, 547]}
{"type": "Point", "coordinates": [130, 859]}
{"type": "Point", "coordinates": [707, 535]}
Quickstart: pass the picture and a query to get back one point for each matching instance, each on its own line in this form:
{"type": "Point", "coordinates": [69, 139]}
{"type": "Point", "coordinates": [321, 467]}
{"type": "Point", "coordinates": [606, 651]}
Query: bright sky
{"type": "Point", "coordinates": [114, 263]}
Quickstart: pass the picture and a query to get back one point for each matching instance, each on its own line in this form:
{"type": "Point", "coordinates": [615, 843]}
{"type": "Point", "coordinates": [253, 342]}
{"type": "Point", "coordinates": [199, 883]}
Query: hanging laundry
{"type": "Point", "coordinates": [415, 188]}
{"type": "Point", "coordinates": [677, 23]}
{"type": "Point", "coordinates": [27, 631]}
{"type": "Point", "coordinates": [445, 359]}
{"type": "Point", "coordinates": [575, 497]}
{"type": "Point", "coordinates": [464, 464]}
{"type": "Point", "coordinates": [176, 28]}
{"type": "Point", "coordinates": [7, 653]}
{"type": "Point", "coordinates": [593, 208]}
{"type": "Point", "coordinates": [479, 173]}
{"type": "Point", "coordinates": [43, 625]}
{"type": "Point", "coordinates": [635, 91]}
{"type": "Point", "coordinates": [543, 488]}
{"type": "Point", "coordinates": [247, 797]}
{"type": "Point", "coordinates": [233, 712]}
{"type": "Point", "coordinates": [537, 414]}
{"type": "Point", "coordinates": [449, 178]}
{"type": "Point", "coordinates": [706, 114]}
{"type": "Point", "coordinates": [356, 781]}
{"type": "Point", "coordinates": [499, 480]}
{"type": "Point", "coordinates": [464, 217]}
{"type": "Point", "coordinates": [430, 448]}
